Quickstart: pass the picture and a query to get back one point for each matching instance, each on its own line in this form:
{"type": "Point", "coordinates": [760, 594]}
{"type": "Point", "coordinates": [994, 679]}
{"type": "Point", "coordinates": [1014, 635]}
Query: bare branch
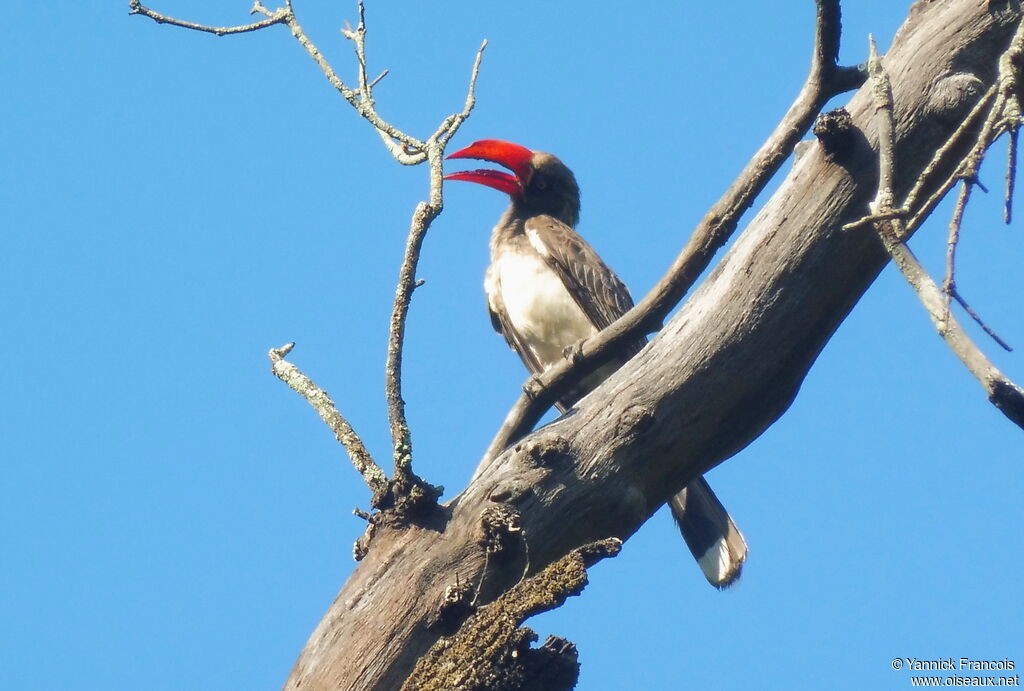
{"type": "Point", "coordinates": [328, 412]}
{"type": "Point", "coordinates": [447, 129]}
{"type": "Point", "coordinates": [1003, 116]}
{"type": "Point", "coordinates": [279, 16]}
{"type": "Point", "coordinates": [1012, 114]}
{"type": "Point", "coordinates": [1002, 392]}
{"type": "Point", "coordinates": [452, 123]}
{"type": "Point", "coordinates": [874, 217]}
{"type": "Point", "coordinates": [404, 154]}
{"type": "Point", "coordinates": [358, 37]}
{"type": "Point", "coordinates": [949, 282]}
{"type": "Point", "coordinates": [400, 435]}
{"type": "Point", "coordinates": [1002, 113]}
{"type": "Point", "coordinates": [787, 286]}
{"type": "Point", "coordinates": [1011, 172]}
{"type": "Point", "coordinates": [363, 107]}
{"type": "Point", "coordinates": [955, 140]}
{"type": "Point", "coordinates": [285, 15]}
{"type": "Point", "coordinates": [824, 81]}
{"type": "Point", "coordinates": [259, 8]}
{"type": "Point", "coordinates": [881, 91]}
{"type": "Point", "coordinates": [378, 78]}
{"type": "Point", "coordinates": [955, 294]}
{"type": "Point", "coordinates": [423, 216]}
{"type": "Point", "coordinates": [407, 150]}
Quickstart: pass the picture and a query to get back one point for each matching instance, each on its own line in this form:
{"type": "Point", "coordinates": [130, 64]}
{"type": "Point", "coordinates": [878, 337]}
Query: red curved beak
{"type": "Point", "coordinates": [512, 156]}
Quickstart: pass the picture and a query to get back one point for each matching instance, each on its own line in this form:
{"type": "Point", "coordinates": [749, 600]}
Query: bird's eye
{"type": "Point", "coordinates": [540, 183]}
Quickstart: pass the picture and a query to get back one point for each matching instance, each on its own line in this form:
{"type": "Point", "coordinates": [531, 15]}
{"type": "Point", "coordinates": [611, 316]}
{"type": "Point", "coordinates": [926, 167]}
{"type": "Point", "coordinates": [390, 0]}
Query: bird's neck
{"type": "Point", "coordinates": [509, 228]}
{"type": "Point", "coordinates": [512, 223]}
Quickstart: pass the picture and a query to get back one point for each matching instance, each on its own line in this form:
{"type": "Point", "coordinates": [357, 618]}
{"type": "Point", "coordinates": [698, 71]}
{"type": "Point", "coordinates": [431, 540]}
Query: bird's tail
{"type": "Point", "coordinates": [709, 531]}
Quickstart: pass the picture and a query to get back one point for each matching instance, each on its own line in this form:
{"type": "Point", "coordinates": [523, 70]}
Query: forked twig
{"type": "Point", "coordinates": [1002, 392]}
{"type": "Point", "coordinates": [405, 149]}
{"type": "Point", "coordinates": [422, 217]}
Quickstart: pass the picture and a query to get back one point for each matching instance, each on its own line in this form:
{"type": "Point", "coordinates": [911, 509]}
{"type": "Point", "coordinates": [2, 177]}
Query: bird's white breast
{"type": "Point", "coordinates": [538, 305]}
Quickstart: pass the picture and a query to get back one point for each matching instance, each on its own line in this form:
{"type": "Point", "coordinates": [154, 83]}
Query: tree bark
{"type": "Point", "coordinates": [719, 373]}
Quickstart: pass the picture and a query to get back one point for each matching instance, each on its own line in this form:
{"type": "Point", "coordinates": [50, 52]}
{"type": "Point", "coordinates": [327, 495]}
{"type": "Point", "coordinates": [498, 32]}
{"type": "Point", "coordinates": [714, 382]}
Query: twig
{"type": "Point", "coordinates": [325, 408]}
{"type": "Point", "coordinates": [949, 282]}
{"type": "Point", "coordinates": [447, 129]}
{"type": "Point", "coordinates": [874, 217]}
{"type": "Point", "coordinates": [379, 77]}
{"type": "Point", "coordinates": [397, 142]}
{"type": "Point", "coordinates": [824, 81]}
{"type": "Point", "coordinates": [1011, 173]}
{"type": "Point", "coordinates": [1003, 116]}
{"type": "Point", "coordinates": [1001, 109]}
{"type": "Point", "coordinates": [358, 37]}
{"type": "Point", "coordinates": [922, 210]}
{"type": "Point", "coordinates": [259, 8]}
{"type": "Point", "coordinates": [407, 150]}
{"type": "Point", "coordinates": [365, 108]}
{"type": "Point", "coordinates": [422, 217]}
{"type": "Point", "coordinates": [1002, 392]}
{"type": "Point", "coordinates": [400, 435]}
{"type": "Point", "coordinates": [955, 294]}
{"type": "Point", "coordinates": [1012, 116]}
{"type": "Point", "coordinates": [916, 211]}
{"type": "Point", "coordinates": [278, 17]}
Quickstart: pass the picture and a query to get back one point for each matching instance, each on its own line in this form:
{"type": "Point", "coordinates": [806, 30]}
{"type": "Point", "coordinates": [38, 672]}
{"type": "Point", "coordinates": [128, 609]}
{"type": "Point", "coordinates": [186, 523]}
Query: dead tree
{"type": "Point", "coordinates": [545, 504]}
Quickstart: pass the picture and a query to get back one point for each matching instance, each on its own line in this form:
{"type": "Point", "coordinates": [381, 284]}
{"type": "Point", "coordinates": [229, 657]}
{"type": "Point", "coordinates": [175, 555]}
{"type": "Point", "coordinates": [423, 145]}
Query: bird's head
{"type": "Point", "coordinates": [542, 184]}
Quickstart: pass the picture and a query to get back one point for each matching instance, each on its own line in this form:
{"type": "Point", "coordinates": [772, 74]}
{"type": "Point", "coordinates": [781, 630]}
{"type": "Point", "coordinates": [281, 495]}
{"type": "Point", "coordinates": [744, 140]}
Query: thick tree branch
{"type": "Point", "coordinates": [824, 81]}
{"type": "Point", "coordinates": [490, 650]}
{"type": "Point", "coordinates": [725, 367]}
{"type": "Point", "coordinates": [375, 478]}
{"type": "Point", "coordinates": [719, 372]}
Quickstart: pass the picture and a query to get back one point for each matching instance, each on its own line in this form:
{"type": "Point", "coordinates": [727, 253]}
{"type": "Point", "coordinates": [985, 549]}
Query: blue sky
{"type": "Point", "coordinates": [173, 205]}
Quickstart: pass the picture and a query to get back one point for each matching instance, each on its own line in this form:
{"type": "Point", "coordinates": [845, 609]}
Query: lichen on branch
{"type": "Point", "coordinates": [491, 652]}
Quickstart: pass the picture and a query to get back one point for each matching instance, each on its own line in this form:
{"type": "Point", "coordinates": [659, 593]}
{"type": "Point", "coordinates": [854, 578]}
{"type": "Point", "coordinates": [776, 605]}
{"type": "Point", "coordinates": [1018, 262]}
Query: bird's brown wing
{"type": "Point", "coordinates": [710, 532]}
{"type": "Point", "coordinates": [595, 288]}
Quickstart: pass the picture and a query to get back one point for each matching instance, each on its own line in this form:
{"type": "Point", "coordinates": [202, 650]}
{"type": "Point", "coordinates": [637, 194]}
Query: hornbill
{"type": "Point", "coordinates": [548, 290]}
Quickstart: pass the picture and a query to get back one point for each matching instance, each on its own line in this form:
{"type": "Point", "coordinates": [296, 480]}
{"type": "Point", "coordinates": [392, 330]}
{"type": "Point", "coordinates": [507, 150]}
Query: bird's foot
{"type": "Point", "coordinates": [533, 386]}
{"type": "Point", "coordinates": [573, 353]}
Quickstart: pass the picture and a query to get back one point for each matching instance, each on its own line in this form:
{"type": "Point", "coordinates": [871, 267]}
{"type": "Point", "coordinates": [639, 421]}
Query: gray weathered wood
{"type": "Point", "coordinates": [720, 372]}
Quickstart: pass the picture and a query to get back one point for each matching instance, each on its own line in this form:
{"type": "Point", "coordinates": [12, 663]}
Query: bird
{"type": "Point", "coordinates": [548, 290]}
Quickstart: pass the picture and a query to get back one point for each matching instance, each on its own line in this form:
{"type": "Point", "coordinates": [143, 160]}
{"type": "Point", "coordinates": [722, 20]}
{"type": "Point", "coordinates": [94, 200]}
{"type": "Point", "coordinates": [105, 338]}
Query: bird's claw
{"type": "Point", "coordinates": [573, 353]}
{"type": "Point", "coordinates": [533, 386]}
